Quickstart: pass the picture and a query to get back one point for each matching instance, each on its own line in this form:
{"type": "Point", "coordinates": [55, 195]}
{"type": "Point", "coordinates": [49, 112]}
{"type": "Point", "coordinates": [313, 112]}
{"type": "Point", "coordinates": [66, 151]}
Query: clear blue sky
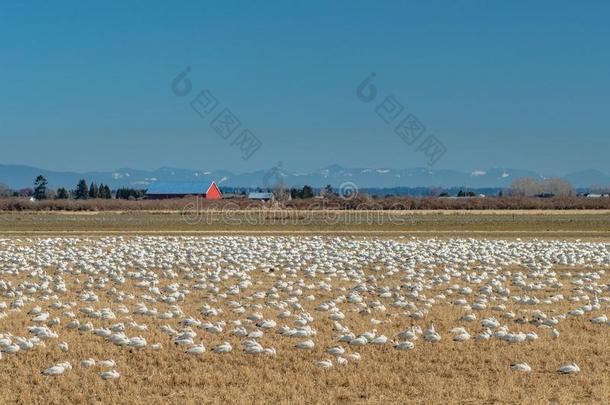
{"type": "Point", "coordinates": [503, 84]}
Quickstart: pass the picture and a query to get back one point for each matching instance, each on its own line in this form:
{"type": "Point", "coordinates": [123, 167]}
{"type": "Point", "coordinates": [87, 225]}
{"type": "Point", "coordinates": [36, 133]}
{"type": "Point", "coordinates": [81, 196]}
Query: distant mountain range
{"type": "Point", "coordinates": [17, 176]}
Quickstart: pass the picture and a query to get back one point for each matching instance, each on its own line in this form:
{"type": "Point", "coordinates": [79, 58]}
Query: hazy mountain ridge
{"type": "Point", "coordinates": [20, 176]}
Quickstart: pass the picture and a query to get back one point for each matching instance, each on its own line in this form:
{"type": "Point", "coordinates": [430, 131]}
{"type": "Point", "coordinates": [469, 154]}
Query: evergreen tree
{"type": "Point", "coordinates": [40, 188]}
{"type": "Point", "coordinates": [307, 192]}
{"type": "Point", "coordinates": [93, 191]}
{"type": "Point", "coordinates": [82, 191]}
{"type": "Point", "coordinates": [327, 191]}
{"type": "Point", "coordinates": [129, 193]}
{"type": "Point", "coordinates": [62, 194]}
{"type": "Point", "coordinates": [107, 194]}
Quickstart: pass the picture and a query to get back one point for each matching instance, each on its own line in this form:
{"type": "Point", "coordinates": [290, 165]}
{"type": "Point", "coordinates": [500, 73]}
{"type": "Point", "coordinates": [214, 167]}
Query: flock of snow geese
{"type": "Point", "coordinates": [238, 289]}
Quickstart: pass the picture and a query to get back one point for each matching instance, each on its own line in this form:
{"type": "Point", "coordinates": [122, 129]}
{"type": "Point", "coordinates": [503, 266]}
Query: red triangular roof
{"type": "Point", "coordinates": [213, 192]}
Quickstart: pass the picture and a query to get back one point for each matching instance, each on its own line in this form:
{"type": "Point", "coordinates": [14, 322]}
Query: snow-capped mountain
{"type": "Point", "coordinates": [17, 176]}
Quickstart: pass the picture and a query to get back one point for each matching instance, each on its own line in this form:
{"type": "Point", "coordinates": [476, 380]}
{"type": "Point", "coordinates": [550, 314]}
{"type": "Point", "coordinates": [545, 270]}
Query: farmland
{"type": "Point", "coordinates": [524, 223]}
{"type": "Point", "coordinates": [301, 318]}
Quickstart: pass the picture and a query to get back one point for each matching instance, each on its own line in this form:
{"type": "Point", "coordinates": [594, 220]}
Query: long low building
{"type": "Point", "coordinates": [260, 196]}
{"type": "Point", "coordinates": [179, 189]}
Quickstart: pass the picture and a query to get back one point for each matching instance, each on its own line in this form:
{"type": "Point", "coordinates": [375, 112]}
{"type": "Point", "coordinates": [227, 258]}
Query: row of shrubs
{"type": "Point", "coordinates": [360, 203]}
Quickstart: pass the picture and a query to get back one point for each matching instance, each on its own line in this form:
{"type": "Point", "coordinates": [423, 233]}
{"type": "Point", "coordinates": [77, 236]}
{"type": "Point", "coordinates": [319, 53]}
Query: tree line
{"type": "Point", "coordinates": [83, 191]}
{"type": "Point", "coordinates": [522, 187]}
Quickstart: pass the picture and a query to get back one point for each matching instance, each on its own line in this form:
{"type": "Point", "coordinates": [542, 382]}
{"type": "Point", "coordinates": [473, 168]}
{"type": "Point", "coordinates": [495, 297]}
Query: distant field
{"type": "Point", "coordinates": [475, 223]}
{"type": "Point", "coordinates": [336, 203]}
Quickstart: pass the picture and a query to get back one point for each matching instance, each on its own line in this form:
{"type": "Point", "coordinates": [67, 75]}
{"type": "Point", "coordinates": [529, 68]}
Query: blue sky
{"type": "Point", "coordinates": [501, 84]}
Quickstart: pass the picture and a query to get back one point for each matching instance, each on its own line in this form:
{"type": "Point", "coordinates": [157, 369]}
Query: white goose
{"type": "Point", "coordinates": [335, 351]}
{"type": "Point", "coordinates": [325, 364]}
{"type": "Point", "coordinates": [87, 363]}
{"type": "Point", "coordinates": [306, 345]}
{"type": "Point", "coordinates": [222, 348]}
{"type": "Point", "coordinates": [406, 345]}
{"type": "Point", "coordinates": [196, 350]}
{"type": "Point", "coordinates": [571, 368]}
{"type": "Point", "coordinates": [524, 367]}
{"type": "Point", "coordinates": [108, 363]}
{"type": "Point", "coordinates": [110, 375]}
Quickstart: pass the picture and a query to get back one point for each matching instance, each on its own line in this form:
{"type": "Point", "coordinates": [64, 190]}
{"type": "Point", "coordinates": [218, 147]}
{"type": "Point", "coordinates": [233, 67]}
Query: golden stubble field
{"type": "Point", "coordinates": [486, 223]}
{"type": "Point", "coordinates": [444, 372]}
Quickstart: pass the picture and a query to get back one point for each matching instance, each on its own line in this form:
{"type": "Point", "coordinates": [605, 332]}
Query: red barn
{"type": "Point", "coordinates": [213, 192]}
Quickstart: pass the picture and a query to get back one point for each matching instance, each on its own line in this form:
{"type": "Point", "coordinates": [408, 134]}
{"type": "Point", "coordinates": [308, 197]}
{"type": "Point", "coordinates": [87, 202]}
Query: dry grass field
{"type": "Point", "coordinates": [374, 283]}
{"type": "Point", "coordinates": [524, 223]}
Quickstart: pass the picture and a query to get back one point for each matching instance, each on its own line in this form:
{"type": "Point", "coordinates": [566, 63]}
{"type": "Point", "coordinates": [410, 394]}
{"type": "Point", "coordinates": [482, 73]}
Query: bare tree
{"type": "Point", "coordinates": [558, 187]}
{"type": "Point", "coordinates": [525, 187]}
{"type": "Point", "coordinates": [5, 191]}
{"type": "Point", "coordinates": [281, 193]}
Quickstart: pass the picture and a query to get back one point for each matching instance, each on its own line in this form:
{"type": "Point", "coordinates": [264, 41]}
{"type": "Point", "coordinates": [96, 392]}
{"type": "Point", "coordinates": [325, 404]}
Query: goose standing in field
{"type": "Point", "coordinates": [490, 323]}
{"type": "Point", "coordinates": [269, 351]}
{"type": "Point", "coordinates": [325, 364]}
{"type": "Point", "coordinates": [461, 334]}
{"type": "Point", "coordinates": [266, 324]}
{"type": "Point", "coordinates": [87, 363]}
{"type": "Point", "coordinates": [484, 336]}
{"type": "Point", "coordinates": [183, 341]}
{"type": "Point", "coordinates": [110, 375]}
{"type": "Point", "coordinates": [240, 332]}
{"type": "Point", "coordinates": [406, 345]}
{"type": "Point", "coordinates": [57, 369]}
{"type": "Point", "coordinates": [253, 347]}
{"type": "Point", "coordinates": [409, 334]}
{"type": "Point", "coordinates": [521, 367]}
{"type": "Point", "coordinates": [335, 351]}
{"type": "Point", "coordinates": [196, 350]}
{"type": "Point", "coordinates": [379, 340]}
{"type": "Point", "coordinates": [222, 348]}
{"type": "Point", "coordinates": [54, 370]}
{"type": "Point", "coordinates": [359, 341]}
{"type": "Point", "coordinates": [469, 317]}
{"type": "Point", "coordinates": [306, 345]}
{"type": "Point", "coordinates": [41, 317]}
{"type": "Point", "coordinates": [138, 342]}
{"type": "Point", "coordinates": [599, 320]}
{"type": "Point", "coordinates": [73, 324]}
{"type": "Point", "coordinates": [256, 334]}
{"type": "Point", "coordinates": [370, 335]}
{"type": "Point", "coordinates": [462, 337]}
{"type": "Point", "coordinates": [571, 368]}
{"type": "Point", "coordinates": [430, 335]}
{"type": "Point", "coordinates": [348, 337]}
{"type": "Point", "coordinates": [108, 363]}
{"type": "Point", "coordinates": [11, 349]}
{"type": "Point", "coordinates": [355, 356]}
{"type": "Point", "coordinates": [35, 311]}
